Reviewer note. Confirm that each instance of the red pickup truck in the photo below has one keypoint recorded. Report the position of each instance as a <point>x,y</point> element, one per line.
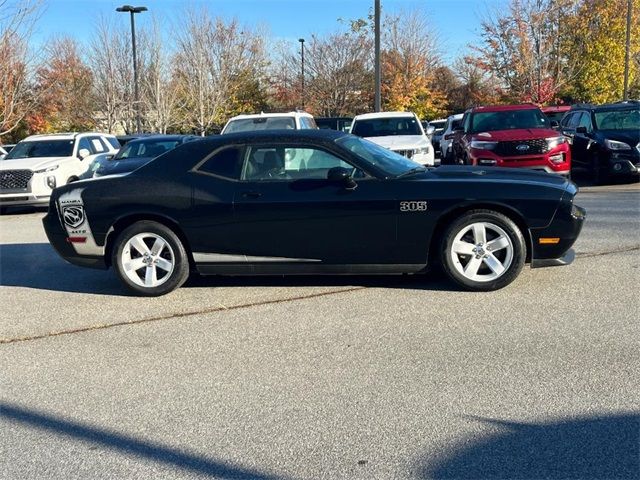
<point>511,136</point>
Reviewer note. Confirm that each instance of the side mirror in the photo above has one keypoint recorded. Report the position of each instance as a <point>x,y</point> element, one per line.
<point>83,153</point>
<point>449,136</point>
<point>554,124</point>
<point>430,130</point>
<point>342,175</point>
<point>110,156</point>
<point>582,130</point>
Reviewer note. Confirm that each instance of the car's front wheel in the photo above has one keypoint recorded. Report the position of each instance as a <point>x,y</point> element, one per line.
<point>483,250</point>
<point>150,259</point>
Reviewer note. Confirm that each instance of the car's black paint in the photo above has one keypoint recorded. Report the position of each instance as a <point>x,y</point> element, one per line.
<point>313,226</point>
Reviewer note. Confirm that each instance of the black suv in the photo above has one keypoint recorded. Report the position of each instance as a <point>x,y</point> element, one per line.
<point>605,139</point>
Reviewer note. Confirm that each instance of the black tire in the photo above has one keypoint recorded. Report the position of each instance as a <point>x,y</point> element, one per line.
<point>496,226</point>
<point>175,255</point>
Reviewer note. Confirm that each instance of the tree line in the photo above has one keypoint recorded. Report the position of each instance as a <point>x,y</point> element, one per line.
<point>197,72</point>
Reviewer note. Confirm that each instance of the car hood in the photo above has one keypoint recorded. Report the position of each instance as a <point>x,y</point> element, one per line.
<point>33,163</point>
<point>496,174</point>
<point>400,142</point>
<point>632,137</point>
<point>110,167</point>
<point>515,134</point>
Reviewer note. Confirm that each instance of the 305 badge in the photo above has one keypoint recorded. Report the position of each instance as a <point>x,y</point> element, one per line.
<point>413,206</point>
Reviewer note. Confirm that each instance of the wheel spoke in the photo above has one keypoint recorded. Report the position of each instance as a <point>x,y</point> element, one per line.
<point>479,233</point>
<point>471,270</point>
<point>137,243</point>
<point>463,248</point>
<point>164,264</point>
<point>134,264</point>
<point>498,244</point>
<point>158,245</point>
<point>150,278</point>
<point>494,264</point>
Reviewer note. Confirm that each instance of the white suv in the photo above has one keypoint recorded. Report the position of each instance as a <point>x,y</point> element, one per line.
<point>40,163</point>
<point>270,121</point>
<point>400,132</point>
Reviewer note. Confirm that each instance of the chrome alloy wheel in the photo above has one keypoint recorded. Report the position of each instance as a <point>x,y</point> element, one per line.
<point>147,260</point>
<point>482,252</point>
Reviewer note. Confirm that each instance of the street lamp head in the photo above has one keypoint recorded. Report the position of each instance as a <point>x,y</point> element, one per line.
<point>301,40</point>
<point>129,8</point>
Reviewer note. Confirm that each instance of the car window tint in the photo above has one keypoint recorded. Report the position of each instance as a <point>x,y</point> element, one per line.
<point>98,146</point>
<point>282,163</point>
<point>113,141</point>
<point>224,163</point>
<point>585,121</point>
<point>86,144</point>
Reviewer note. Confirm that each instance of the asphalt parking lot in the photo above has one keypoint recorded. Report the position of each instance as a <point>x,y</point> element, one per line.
<point>334,377</point>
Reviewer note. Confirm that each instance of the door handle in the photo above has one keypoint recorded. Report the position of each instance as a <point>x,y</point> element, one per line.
<point>251,194</point>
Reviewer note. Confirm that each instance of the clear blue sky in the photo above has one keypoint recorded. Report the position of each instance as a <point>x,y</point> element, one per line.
<point>455,20</point>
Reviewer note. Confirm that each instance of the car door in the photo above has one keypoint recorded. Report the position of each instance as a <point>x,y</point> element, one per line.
<point>288,211</point>
<point>582,140</point>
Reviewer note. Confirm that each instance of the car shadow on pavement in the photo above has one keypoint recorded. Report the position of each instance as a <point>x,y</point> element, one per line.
<point>126,445</point>
<point>586,448</point>
<point>37,265</point>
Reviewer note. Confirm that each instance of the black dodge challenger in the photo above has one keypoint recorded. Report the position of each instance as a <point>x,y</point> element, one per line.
<point>311,202</point>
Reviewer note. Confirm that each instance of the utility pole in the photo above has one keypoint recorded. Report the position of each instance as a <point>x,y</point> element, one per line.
<point>378,77</point>
<point>301,40</point>
<point>625,95</point>
<point>133,11</point>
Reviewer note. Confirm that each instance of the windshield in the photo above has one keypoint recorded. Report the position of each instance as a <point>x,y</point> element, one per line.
<point>389,162</point>
<point>508,120</point>
<point>41,148</point>
<point>384,127</point>
<point>618,119</point>
<point>260,123</point>
<point>145,149</point>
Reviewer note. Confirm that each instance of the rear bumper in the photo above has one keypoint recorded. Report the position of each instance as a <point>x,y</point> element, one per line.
<point>58,238</point>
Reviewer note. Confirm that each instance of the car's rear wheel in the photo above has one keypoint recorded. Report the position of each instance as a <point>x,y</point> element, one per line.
<point>150,259</point>
<point>483,250</point>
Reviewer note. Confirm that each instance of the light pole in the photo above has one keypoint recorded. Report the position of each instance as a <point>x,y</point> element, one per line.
<point>133,11</point>
<point>625,94</point>
<point>378,76</point>
<point>301,40</point>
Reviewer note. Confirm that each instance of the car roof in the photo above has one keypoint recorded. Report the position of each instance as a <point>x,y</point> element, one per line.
<point>438,120</point>
<point>270,135</point>
<point>503,108</point>
<point>64,136</point>
<point>457,116</point>
<point>267,115</point>
<point>370,116</point>
<point>624,105</point>
<point>161,138</point>
<point>556,108</point>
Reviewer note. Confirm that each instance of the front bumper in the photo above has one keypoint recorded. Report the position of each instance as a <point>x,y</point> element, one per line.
<point>551,245</point>
<point>623,163</point>
<point>557,160</point>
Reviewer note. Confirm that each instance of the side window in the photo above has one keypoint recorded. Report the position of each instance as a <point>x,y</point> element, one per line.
<point>466,122</point>
<point>97,145</point>
<point>285,163</point>
<point>223,163</point>
<point>566,119</point>
<point>113,141</point>
<point>308,123</point>
<point>86,144</point>
<point>585,121</point>
<point>574,120</point>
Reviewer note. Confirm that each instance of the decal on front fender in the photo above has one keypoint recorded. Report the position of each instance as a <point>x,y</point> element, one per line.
<point>413,206</point>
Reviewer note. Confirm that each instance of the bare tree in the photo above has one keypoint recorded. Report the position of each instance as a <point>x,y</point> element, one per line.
<point>213,59</point>
<point>160,96</point>
<point>17,97</point>
<point>110,62</point>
